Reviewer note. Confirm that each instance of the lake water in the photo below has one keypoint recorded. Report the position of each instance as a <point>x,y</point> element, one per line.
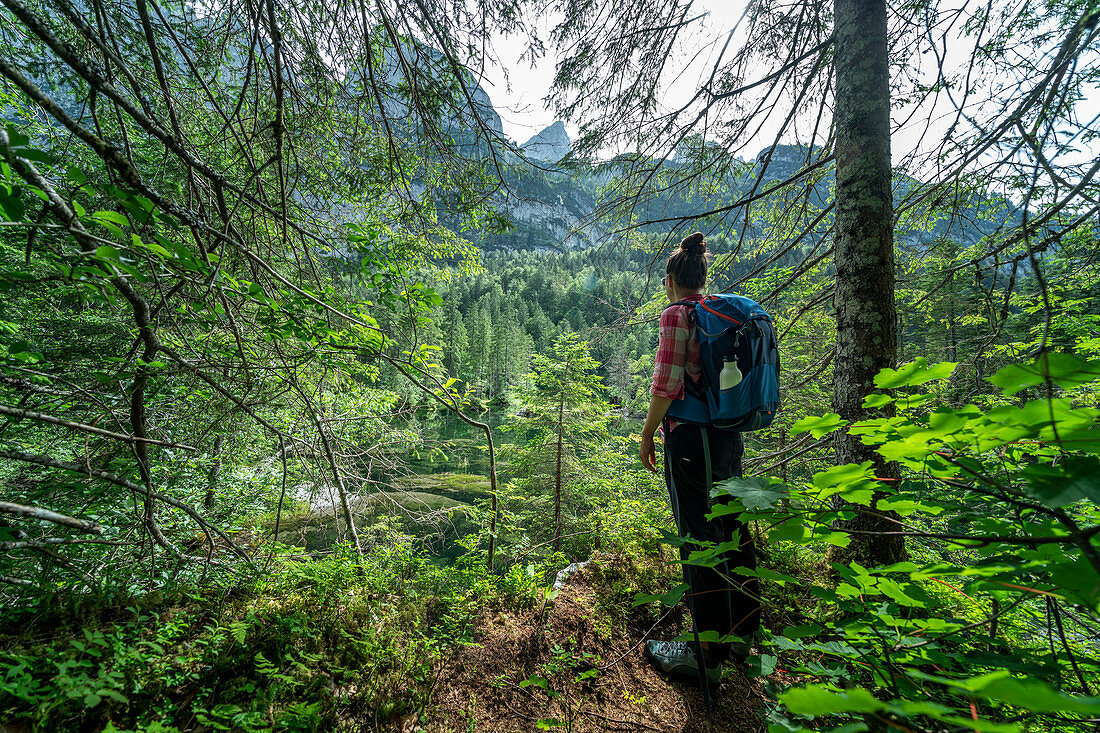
<point>445,473</point>
<point>452,445</point>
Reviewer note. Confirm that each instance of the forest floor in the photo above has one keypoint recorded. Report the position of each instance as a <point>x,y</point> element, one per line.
<point>575,663</point>
<point>385,643</point>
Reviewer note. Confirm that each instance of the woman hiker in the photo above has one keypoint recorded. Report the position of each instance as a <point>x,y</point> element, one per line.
<point>718,599</point>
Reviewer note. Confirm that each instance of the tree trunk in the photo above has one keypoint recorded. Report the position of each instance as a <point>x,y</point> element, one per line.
<point>345,504</point>
<point>212,476</point>
<point>866,317</point>
<point>557,473</point>
<point>952,331</point>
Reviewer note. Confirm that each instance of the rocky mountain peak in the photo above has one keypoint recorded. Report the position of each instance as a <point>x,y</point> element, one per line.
<point>550,145</point>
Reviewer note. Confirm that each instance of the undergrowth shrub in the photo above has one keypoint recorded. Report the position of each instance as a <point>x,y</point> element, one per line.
<point>990,623</point>
<point>335,643</point>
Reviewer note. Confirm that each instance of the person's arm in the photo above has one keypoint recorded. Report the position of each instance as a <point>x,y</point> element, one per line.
<point>668,378</point>
<point>658,406</point>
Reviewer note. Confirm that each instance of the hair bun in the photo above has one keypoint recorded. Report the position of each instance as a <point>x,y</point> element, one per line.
<point>694,244</point>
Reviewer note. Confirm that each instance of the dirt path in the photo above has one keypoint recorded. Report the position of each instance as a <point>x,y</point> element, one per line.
<point>576,664</point>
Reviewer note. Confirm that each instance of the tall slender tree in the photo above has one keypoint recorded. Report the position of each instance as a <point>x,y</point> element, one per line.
<point>863,237</point>
<point>566,409</point>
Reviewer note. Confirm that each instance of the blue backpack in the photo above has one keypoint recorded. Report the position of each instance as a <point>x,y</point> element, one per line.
<point>739,350</point>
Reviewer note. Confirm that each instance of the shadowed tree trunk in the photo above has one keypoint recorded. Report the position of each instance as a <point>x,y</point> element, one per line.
<point>866,317</point>
<point>215,473</point>
<point>557,465</point>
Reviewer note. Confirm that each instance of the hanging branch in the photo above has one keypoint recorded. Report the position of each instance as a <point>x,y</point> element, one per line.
<point>93,472</point>
<point>55,541</point>
<point>34,512</point>
<point>132,439</point>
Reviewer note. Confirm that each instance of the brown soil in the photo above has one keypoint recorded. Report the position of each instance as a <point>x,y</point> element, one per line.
<point>583,628</point>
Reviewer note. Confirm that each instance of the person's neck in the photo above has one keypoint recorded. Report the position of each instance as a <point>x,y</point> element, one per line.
<point>678,294</point>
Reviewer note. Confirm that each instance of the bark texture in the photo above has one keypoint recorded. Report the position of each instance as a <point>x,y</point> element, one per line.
<point>866,316</point>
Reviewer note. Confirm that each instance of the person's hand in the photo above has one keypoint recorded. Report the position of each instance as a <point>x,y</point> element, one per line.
<point>648,453</point>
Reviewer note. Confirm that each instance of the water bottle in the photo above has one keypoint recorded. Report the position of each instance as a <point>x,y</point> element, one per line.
<point>730,376</point>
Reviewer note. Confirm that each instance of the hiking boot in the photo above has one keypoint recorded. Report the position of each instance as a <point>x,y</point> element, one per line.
<point>677,658</point>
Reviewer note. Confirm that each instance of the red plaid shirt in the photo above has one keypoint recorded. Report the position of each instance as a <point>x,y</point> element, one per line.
<point>677,352</point>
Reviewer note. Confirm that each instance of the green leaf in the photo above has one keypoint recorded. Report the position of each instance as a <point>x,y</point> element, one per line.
<point>112,216</point>
<point>21,351</point>
<point>1065,370</point>
<point>35,155</point>
<point>1031,695</point>
<point>239,630</point>
<point>799,632</point>
<point>902,594</point>
<point>913,373</point>
<point>946,421</point>
<point>17,275</point>
<point>761,666</point>
<point>1074,479</point>
<point>905,507</point>
<point>708,636</point>
<point>819,426</point>
<point>1086,440</point>
<point>754,492</point>
<point>151,246</point>
<point>873,401</point>
<point>109,253</point>
<point>848,474</point>
<point>791,530</point>
<point>1042,413</point>
<point>139,207</point>
<point>668,599</point>
<point>814,701</point>
<point>1010,661</point>
<point>837,539</point>
<point>537,681</point>
<point>861,495</point>
<point>855,483</point>
<point>15,138</point>
<point>11,204</point>
<point>114,695</point>
<point>945,714</point>
<point>767,574</point>
<point>1079,579</point>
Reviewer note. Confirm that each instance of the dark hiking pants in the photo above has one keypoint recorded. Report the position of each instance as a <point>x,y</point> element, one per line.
<point>719,600</point>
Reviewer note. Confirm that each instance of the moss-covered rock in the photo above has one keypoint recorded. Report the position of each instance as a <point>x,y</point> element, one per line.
<point>465,487</point>
<point>438,517</point>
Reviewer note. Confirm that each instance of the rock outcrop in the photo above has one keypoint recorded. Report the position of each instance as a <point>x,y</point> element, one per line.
<point>550,145</point>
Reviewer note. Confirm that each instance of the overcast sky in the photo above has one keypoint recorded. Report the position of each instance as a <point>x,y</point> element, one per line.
<point>522,108</point>
<point>520,100</point>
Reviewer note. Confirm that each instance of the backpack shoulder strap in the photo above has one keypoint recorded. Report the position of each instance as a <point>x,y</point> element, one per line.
<point>690,306</point>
